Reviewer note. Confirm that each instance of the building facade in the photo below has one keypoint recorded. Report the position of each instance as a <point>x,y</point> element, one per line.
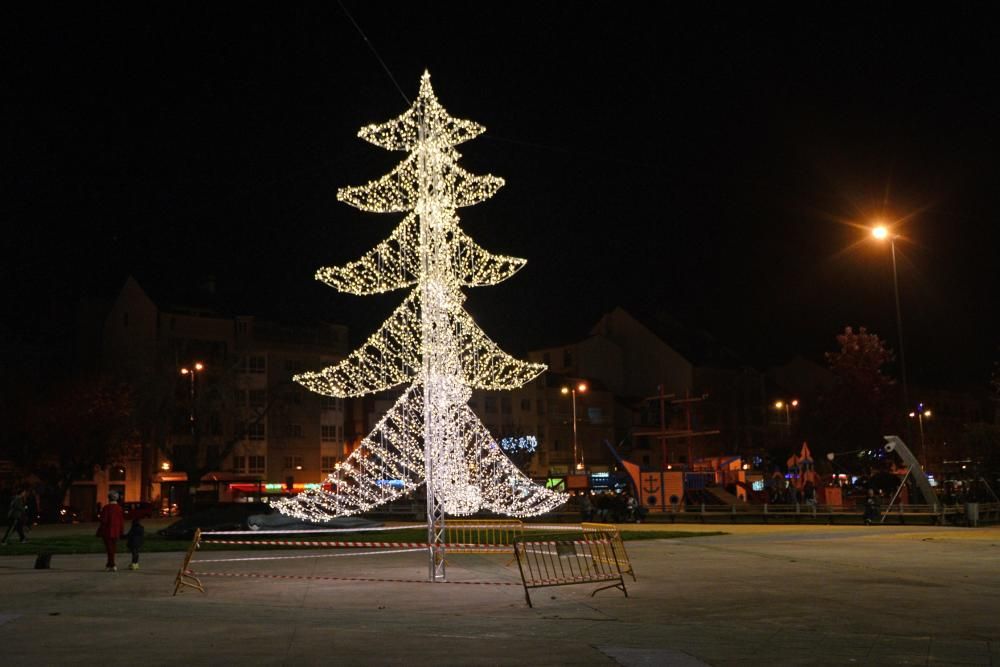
<point>215,390</point>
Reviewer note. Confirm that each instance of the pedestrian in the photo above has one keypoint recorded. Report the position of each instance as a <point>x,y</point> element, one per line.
<point>15,516</point>
<point>631,508</point>
<point>587,507</point>
<point>871,507</point>
<point>110,529</point>
<point>134,538</point>
<point>30,511</point>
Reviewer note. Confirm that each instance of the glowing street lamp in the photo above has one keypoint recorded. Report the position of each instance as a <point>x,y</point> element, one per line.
<point>787,406</point>
<point>920,414</point>
<point>582,388</point>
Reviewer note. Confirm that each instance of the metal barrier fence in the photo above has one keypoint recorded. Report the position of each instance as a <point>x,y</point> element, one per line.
<point>564,559</point>
<point>476,536</point>
<point>595,531</point>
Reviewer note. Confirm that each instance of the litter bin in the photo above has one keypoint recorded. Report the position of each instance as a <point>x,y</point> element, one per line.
<point>972,514</point>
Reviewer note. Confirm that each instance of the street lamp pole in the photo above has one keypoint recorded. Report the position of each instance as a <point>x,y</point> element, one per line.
<point>191,372</point>
<point>192,484</point>
<point>578,461</point>
<point>881,232</point>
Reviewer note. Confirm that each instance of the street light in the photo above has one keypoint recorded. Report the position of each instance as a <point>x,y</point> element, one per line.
<point>787,406</point>
<point>882,233</point>
<point>191,373</point>
<point>582,388</point>
<point>919,414</point>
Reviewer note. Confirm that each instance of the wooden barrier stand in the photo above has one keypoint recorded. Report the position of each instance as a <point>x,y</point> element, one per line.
<point>564,559</point>
<point>184,576</point>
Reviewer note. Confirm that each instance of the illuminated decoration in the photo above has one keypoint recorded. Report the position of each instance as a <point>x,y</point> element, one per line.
<point>526,443</point>
<point>429,436</point>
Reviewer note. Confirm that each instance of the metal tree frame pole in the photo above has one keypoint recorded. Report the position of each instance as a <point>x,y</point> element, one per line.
<point>435,509</point>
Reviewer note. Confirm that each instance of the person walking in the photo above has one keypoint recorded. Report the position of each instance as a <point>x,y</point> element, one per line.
<point>871,508</point>
<point>110,529</point>
<point>134,538</point>
<point>30,511</point>
<point>15,516</point>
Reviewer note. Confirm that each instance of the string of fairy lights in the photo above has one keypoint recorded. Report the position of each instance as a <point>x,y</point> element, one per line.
<point>395,263</point>
<point>429,341</point>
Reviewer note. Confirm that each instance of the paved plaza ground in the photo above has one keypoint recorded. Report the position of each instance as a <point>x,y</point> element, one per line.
<point>761,595</point>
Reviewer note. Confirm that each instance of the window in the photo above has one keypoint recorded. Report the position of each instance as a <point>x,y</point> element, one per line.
<point>525,405</point>
<point>505,405</point>
<point>327,463</point>
<point>328,433</point>
<point>116,473</point>
<point>256,365</point>
<point>256,431</point>
<point>293,365</point>
<point>255,464</point>
<point>295,430</point>
<point>258,398</point>
<point>567,358</point>
<point>540,407</point>
<point>491,404</point>
<point>331,403</point>
<point>241,397</point>
<point>545,359</point>
<point>239,463</point>
<point>293,397</point>
<point>293,462</point>
<point>595,415</point>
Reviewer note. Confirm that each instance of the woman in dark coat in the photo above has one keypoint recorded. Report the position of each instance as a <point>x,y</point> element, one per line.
<point>134,538</point>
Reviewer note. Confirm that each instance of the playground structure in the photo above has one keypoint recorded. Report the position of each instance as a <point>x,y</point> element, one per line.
<point>725,488</point>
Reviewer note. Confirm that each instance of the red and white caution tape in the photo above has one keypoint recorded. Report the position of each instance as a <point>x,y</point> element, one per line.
<point>381,552</point>
<point>305,577</point>
<point>354,545</point>
<point>311,531</point>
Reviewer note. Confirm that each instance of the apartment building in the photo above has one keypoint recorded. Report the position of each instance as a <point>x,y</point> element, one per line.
<point>218,385</point>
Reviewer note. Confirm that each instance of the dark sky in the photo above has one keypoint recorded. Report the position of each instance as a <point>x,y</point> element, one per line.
<point>704,164</point>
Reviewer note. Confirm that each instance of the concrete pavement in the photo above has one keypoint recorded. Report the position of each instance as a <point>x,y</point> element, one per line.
<point>762,595</point>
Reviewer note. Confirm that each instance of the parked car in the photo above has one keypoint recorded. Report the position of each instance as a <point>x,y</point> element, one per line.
<point>138,510</point>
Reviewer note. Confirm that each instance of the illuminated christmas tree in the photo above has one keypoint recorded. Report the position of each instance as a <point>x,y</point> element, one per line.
<point>430,435</point>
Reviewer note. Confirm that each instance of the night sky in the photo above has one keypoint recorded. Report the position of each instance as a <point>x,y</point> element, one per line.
<point>712,165</point>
